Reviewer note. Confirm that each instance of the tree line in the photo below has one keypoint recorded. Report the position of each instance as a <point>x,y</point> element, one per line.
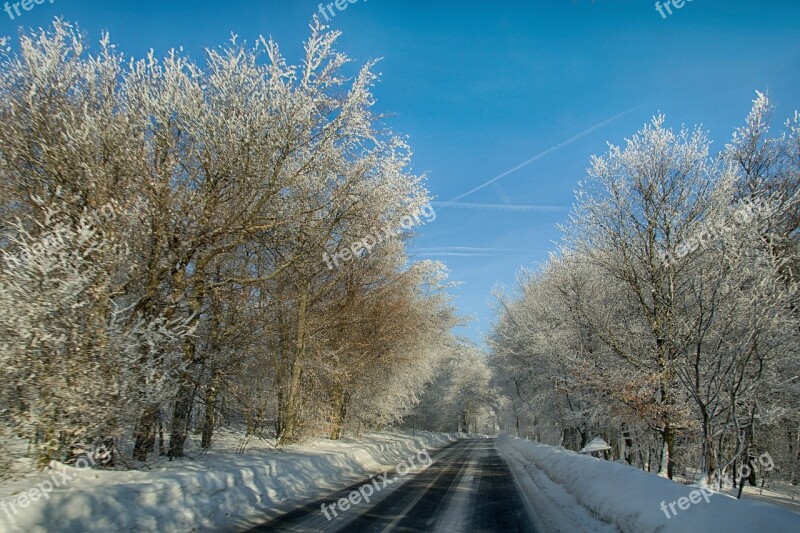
<point>205,299</point>
<point>668,320</point>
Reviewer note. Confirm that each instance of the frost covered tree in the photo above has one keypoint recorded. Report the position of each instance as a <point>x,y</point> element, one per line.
<point>232,180</point>
<point>669,315</point>
<point>76,363</point>
<point>634,201</point>
<point>462,396</point>
<point>389,341</point>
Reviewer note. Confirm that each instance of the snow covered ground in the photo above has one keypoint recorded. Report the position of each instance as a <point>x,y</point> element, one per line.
<point>573,492</point>
<point>217,491</point>
<point>777,493</point>
<point>225,491</point>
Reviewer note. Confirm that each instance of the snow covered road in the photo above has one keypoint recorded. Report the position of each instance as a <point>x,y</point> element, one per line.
<point>467,487</point>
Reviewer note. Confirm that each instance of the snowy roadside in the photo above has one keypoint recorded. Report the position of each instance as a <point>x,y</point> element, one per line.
<point>568,491</point>
<point>550,506</point>
<point>215,492</point>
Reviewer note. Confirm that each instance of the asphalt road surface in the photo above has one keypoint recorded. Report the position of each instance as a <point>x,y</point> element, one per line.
<point>467,488</point>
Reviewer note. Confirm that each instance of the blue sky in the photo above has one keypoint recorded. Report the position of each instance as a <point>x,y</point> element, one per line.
<point>482,87</point>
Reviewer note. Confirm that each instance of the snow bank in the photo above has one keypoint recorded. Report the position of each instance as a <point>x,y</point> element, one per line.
<point>631,499</point>
<point>216,492</point>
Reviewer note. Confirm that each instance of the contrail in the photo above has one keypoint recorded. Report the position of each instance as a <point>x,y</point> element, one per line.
<point>454,254</point>
<point>542,154</point>
<point>469,251</point>
<point>502,207</point>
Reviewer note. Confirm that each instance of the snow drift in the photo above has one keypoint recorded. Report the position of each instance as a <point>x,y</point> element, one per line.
<point>217,492</point>
<point>631,499</point>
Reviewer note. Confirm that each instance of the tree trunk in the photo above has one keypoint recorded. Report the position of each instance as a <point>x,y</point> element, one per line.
<point>145,433</point>
<point>161,450</point>
<point>668,450</point>
<point>628,441</point>
<point>209,421</point>
<point>793,440</point>
<point>182,411</point>
<point>289,430</point>
<point>708,459</point>
<point>339,413</point>
<point>180,420</point>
